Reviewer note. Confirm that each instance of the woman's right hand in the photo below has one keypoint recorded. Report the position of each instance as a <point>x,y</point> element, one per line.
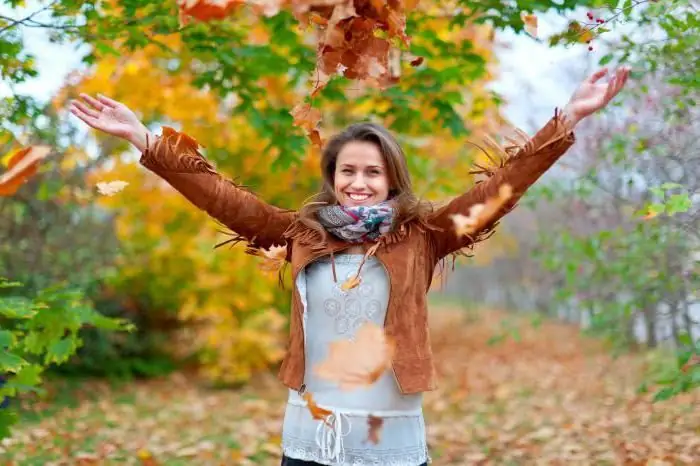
<point>113,118</point>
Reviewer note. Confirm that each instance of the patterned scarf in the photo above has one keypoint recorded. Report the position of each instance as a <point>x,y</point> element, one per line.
<point>357,224</point>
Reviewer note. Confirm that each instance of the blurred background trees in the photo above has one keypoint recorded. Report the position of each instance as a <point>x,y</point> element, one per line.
<point>607,240</point>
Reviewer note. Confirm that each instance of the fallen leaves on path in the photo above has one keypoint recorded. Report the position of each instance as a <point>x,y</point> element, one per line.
<point>551,398</point>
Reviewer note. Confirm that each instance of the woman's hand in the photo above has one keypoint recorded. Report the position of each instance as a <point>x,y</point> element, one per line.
<point>593,94</point>
<point>113,118</point>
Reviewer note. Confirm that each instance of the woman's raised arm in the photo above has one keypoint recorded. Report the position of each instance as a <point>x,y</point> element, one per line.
<point>524,167</point>
<point>175,157</point>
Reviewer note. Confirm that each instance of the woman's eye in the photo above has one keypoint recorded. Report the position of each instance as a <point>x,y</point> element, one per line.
<point>347,172</point>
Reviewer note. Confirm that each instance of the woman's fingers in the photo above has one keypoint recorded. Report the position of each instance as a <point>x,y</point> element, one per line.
<point>597,75</point>
<point>92,101</point>
<point>88,119</point>
<point>611,89</point>
<point>107,101</point>
<point>85,109</point>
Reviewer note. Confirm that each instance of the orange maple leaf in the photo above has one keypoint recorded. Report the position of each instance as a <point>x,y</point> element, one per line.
<point>308,118</point>
<point>273,258</point>
<point>205,10</point>
<point>481,214</point>
<point>359,362</point>
<point>21,166</point>
<point>530,22</point>
<point>318,413</point>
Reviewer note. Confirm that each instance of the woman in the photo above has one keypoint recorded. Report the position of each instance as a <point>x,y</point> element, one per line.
<point>366,222</point>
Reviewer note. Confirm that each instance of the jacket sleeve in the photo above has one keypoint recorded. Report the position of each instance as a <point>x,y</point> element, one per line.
<point>520,167</point>
<point>175,157</point>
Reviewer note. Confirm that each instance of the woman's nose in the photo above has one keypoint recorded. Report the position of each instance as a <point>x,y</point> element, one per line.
<point>358,182</point>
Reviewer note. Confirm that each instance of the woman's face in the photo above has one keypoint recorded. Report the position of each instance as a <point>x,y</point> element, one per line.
<point>360,175</point>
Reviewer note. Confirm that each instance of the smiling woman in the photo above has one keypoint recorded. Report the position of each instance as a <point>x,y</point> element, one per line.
<point>366,205</point>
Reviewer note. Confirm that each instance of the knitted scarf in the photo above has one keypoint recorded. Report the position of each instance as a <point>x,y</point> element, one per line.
<point>357,224</point>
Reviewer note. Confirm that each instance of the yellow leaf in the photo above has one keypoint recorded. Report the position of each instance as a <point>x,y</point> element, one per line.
<point>110,188</point>
<point>350,283</point>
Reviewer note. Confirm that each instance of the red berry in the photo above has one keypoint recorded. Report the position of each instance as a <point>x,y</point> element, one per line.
<point>590,48</point>
<point>590,15</point>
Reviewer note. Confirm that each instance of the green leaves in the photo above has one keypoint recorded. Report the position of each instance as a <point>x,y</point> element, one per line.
<point>10,362</point>
<point>670,204</point>
<point>39,332</point>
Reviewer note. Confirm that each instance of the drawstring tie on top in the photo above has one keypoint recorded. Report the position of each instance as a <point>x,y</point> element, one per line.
<point>329,437</point>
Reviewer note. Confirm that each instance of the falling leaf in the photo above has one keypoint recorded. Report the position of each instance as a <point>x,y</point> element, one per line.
<point>318,19</point>
<point>318,413</point>
<point>376,69</point>
<point>651,213</point>
<point>21,166</point>
<point>180,141</point>
<point>375,426</point>
<point>530,22</point>
<point>315,137</point>
<point>273,258</point>
<point>350,283</point>
<point>305,116</point>
<point>110,188</point>
<point>206,10</point>
<point>416,62</point>
<point>481,214</point>
<point>359,362</point>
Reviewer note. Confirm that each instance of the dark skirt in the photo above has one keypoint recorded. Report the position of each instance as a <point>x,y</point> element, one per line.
<point>286,461</point>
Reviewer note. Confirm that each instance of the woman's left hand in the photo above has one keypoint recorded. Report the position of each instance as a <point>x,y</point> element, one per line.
<point>594,94</point>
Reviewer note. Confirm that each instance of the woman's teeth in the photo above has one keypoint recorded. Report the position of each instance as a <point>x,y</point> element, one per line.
<point>359,197</point>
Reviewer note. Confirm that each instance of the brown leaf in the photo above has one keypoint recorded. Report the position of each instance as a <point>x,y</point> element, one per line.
<point>416,62</point>
<point>481,214</point>
<point>359,362</point>
<point>22,166</point>
<point>183,142</point>
<point>318,413</point>
<point>315,137</point>
<point>206,10</point>
<point>375,425</point>
<point>305,116</point>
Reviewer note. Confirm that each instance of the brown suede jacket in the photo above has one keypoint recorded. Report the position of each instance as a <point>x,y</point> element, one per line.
<point>410,254</point>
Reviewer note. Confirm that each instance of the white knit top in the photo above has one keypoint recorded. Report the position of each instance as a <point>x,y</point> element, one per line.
<point>331,314</point>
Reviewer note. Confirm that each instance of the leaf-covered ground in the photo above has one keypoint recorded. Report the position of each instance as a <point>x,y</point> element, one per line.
<point>543,395</point>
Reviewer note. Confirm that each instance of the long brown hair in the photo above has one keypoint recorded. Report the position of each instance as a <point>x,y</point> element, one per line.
<point>408,206</point>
